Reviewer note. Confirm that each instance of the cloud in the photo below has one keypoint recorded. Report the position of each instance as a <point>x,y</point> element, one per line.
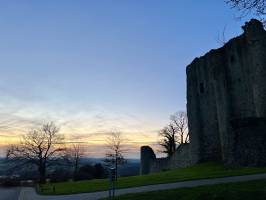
<point>89,126</point>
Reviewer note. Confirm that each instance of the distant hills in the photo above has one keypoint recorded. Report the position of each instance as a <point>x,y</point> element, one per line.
<point>131,168</point>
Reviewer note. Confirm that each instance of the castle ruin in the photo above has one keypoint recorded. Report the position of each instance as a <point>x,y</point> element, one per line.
<point>226,106</point>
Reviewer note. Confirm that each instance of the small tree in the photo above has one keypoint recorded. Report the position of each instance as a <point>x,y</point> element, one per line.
<point>116,150</point>
<point>74,155</point>
<point>169,140</point>
<point>41,148</point>
<point>174,134</point>
<point>180,123</point>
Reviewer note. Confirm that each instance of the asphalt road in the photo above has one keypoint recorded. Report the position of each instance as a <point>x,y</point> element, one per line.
<point>9,193</point>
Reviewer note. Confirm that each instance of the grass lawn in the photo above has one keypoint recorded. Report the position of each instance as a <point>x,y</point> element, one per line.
<point>200,171</point>
<point>253,190</point>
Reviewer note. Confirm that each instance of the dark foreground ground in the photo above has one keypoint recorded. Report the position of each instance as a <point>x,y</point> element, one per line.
<point>252,190</point>
<point>236,188</point>
<point>9,193</point>
<point>199,171</point>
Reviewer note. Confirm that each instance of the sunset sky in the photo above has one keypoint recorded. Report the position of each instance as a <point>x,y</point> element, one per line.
<point>101,65</point>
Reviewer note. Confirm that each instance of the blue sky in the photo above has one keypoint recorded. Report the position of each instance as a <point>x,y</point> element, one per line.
<point>100,65</point>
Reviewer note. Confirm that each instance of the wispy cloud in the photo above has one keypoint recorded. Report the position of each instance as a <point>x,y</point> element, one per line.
<point>84,127</point>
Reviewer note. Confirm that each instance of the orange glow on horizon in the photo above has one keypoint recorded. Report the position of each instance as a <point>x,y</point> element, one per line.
<point>95,144</point>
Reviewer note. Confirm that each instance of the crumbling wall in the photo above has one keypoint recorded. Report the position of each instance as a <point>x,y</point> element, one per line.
<point>226,86</point>
<point>226,106</point>
<point>147,157</point>
<point>201,108</point>
<point>181,158</point>
<point>160,164</point>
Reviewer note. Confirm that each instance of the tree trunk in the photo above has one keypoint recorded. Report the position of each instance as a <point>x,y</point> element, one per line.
<point>116,166</point>
<point>76,169</point>
<point>42,173</point>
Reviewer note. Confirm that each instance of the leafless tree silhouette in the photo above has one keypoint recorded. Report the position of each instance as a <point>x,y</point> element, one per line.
<point>169,140</point>
<point>40,147</point>
<point>246,7</point>
<point>174,134</point>
<point>116,150</point>
<point>74,155</point>
<point>180,122</point>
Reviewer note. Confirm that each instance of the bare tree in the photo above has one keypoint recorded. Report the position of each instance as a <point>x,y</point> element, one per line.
<point>116,151</point>
<point>41,148</point>
<point>246,7</point>
<point>180,122</point>
<point>174,134</point>
<point>74,155</point>
<point>169,140</point>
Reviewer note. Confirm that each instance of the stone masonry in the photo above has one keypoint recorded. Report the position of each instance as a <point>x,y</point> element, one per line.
<point>226,102</point>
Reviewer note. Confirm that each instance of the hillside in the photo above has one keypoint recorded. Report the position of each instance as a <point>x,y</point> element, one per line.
<point>200,171</point>
<point>251,190</point>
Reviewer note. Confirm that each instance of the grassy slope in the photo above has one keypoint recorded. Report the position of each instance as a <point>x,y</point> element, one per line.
<point>253,190</point>
<point>206,170</point>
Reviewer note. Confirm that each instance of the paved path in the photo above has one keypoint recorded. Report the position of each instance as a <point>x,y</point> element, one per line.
<point>9,193</point>
<point>29,193</point>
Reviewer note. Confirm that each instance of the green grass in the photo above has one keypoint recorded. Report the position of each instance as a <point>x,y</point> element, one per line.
<point>200,171</point>
<point>252,190</point>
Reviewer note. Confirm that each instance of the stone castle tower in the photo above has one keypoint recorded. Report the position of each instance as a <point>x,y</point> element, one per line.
<point>226,100</point>
<point>226,105</point>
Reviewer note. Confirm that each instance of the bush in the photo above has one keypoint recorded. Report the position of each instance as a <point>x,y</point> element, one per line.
<point>88,172</point>
<point>60,175</point>
<point>10,181</point>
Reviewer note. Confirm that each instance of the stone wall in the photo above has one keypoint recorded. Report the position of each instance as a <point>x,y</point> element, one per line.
<point>249,143</point>
<point>226,93</point>
<point>226,105</point>
<point>181,158</point>
<point>147,156</point>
